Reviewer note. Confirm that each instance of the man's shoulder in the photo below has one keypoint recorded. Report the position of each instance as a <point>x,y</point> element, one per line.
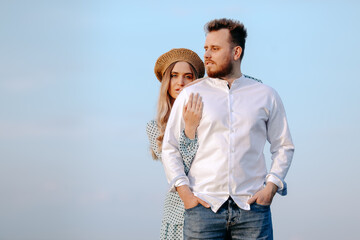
<point>197,83</point>
<point>267,91</point>
<point>260,85</point>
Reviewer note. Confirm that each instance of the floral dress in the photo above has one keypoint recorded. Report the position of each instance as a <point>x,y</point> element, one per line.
<point>173,215</point>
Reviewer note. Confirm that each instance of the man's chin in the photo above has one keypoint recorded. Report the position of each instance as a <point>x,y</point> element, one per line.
<point>213,74</point>
<point>218,74</point>
<point>210,73</point>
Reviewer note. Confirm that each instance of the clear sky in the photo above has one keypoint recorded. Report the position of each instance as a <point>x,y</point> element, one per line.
<point>77,88</point>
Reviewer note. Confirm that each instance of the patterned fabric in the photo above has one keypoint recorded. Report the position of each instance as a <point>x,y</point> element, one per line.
<point>173,215</point>
<point>258,80</point>
<point>171,231</point>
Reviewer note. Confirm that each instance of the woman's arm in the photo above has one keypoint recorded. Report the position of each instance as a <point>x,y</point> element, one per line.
<point>153,133</point>
<point>188,142</point>
<point>192,113</point>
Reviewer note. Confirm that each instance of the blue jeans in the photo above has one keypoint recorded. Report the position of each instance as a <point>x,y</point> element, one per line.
<point>229,222</point>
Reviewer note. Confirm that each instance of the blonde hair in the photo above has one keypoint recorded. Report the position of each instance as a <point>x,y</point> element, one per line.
<point>165,103</point>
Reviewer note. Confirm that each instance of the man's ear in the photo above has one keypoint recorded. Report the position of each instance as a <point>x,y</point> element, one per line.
<point>237,52</point>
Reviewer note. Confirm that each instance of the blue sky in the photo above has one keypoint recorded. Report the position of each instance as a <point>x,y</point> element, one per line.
<point>77,88</point>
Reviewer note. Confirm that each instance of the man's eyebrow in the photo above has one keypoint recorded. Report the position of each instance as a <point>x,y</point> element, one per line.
<point>214,45</point>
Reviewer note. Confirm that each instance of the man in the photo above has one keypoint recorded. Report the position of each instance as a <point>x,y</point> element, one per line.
<point>228,191</point>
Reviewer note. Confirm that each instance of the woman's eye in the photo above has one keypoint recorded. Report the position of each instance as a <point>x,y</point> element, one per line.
<point>173,75</point>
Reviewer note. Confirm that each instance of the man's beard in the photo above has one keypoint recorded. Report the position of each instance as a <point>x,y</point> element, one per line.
<point>222,72</point>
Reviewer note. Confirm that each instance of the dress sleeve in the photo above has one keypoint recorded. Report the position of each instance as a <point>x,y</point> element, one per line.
<point>188,148</point>
<point>153,133</point>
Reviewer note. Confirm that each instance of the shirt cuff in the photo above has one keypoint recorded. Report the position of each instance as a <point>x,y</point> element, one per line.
<point>177,182</point>
<point>187,140</point>
<point>282,187</point>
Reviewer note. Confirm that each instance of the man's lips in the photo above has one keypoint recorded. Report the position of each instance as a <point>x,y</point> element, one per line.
<point>209,62</point>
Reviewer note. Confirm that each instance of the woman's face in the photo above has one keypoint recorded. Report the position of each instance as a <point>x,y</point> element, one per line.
<point>180,76</point>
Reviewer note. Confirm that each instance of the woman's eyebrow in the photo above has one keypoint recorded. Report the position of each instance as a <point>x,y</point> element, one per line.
<point>184,73</point>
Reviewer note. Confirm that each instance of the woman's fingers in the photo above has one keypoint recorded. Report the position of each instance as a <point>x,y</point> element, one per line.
<point>194,104</point>
<point>199,104</point>
<point>195,100</point>
<point>200,109</point>
<point>190,101</point>
<point>184,109</point>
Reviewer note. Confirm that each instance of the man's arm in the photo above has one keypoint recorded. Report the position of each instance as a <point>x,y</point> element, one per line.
<point>171,158</point>
<point>282,150</point>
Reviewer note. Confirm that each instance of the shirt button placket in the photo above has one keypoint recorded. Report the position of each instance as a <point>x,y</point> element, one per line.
<point>231,138</point>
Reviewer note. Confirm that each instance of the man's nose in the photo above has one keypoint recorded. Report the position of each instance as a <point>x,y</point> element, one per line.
<point>207,54</point>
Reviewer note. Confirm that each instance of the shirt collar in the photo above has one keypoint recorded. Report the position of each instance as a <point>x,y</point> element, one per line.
<point>223,83</point>
<point>238,82</point>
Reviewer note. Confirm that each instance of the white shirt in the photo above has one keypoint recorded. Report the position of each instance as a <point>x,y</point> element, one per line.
<point>235,125</point>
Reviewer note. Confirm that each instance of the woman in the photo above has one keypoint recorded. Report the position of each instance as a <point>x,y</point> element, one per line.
<point>175,69</point>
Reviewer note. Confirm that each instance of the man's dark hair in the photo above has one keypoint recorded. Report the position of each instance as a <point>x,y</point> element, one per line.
<point>237,31</point>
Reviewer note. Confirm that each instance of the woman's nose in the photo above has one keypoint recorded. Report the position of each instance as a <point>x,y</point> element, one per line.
<point>181,81</point>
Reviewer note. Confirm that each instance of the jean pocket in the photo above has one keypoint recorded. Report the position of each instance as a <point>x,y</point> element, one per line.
<point>261,204</point>
<point>259,207</point>
<point>189,209</point>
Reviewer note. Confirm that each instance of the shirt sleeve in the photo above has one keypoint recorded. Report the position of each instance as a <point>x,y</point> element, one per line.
<point>153,133</point>
<point>281,145</point>
<point>188,148</point>
<point>171,157</point>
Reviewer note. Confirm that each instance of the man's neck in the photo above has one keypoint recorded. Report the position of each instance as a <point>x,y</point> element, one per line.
<point>231,77</point>
<point>235,73</point>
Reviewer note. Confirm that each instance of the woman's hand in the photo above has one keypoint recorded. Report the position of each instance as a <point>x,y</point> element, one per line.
<point>192,114</point>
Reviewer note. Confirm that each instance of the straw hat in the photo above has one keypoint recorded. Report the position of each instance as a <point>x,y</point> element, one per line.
<point>178,55</point>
